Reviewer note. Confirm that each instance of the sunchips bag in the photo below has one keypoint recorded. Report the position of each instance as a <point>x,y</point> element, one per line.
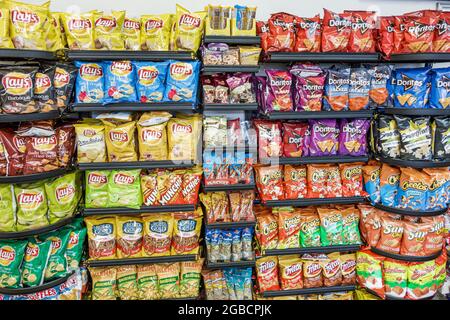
<point>131,33</point>
<point>57,263</point>
<point>107,31</point>
<point>90,141</point>
<point>32,208</point>
<point>120,141</point>
<point>155,32</point>
<point>152,135</point>
<point>75,246</point>
<point>96,185</point>
<point>11,256</point>
<point>90,87</point>
<point>411,87</point>
<point>35,261</point>
<point>7,208</point>
<point>5,40</point>
<point>440,88</point>
<point>151,79</point>
<point>182,81</point>
<point>182,135</point>
<point>124,189</point>
<point>119,81</point>
<point>79,29</point>
<point>27,23</point>
<point>189,29</point>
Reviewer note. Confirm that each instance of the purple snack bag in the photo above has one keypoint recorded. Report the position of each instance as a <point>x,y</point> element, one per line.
<point>308,88</point>
<point>353,137</point>
<point>307,142</point>
<point>324,137</point>
<point>279,84</point>
<point>261,94</point>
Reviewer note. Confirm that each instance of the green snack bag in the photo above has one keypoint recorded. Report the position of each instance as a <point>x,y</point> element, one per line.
<point>74,249</point>
<point>330,227</point>
<point>7,216</point>
<point>310,230</point>
<point>124,189</point>
<point>11,256</point>
<point>35,262</point>
<point>62,197</point>
<point>96,189</point>
<point>350,226</point>
<point>57,263</point>
<point>32,206</point>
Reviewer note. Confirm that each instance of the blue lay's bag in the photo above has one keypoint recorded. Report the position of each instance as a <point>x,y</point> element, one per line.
<point>413,189</point>
<point>371,175</point>
<point>440,88</point>
<point>437,192</point>
<point>337,86</point>
<point>150,80</point>
<point>411,87</point>
<point>90,87</point>
<point>182,81</point>
<point>119,82</point>
<point>389,180</point>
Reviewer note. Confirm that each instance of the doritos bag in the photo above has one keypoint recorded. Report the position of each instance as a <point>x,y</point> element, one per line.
<point>362,35</point>
<point>336,89</point>
<point>440,88</point>
<point>411,89</point>
<point>309,81</point>
<point>324,137</point>
<point>358,93</point>
<point>441,42</point>
<point>399,28</point>
<point>379,77</point>
<point>353,137</point>
<point>262,30</point>
<point>385,43</point>
<point>418,34</point>
<point>336,32</point>
<point>308,34</point>
<point>279,83</point>
<point>293,136</point>
<point>282,32</point>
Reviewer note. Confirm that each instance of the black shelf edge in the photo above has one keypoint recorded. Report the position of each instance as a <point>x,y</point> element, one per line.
<point>246,148</point>
<point>30,290</point>
<point>405,258</point>
<point>230,107</point>
<point>132,106</point>
<point>327,249</point>
<point>415,163</point>
<point>323,57</point>
<point>142,210</point>
<point>7,118</point>
<point>320,290</point>
<point>230,225</point>
<point>298,115</point>
<point>420,57</point>
<point>96,55</point>
<point>229,68</point>
<point>417,111</point>
<point>34,177</point>
<point>228,187</point>
<point>314,202</point>
<point>230,264</point>
<point>27,54</point>
<point>247,40</point>
<point>135,165</point>
<point>37,231</point>
<point>145,260</point>
<point>310,160</point>
<point>406,212</point>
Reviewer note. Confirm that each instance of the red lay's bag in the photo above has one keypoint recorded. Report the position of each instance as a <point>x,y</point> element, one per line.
<point>385,41</point>
<point>362,35</point>
<point>282,32</point>
<point>308,34</point>
<point>418,34</point>
<point>336,31</point>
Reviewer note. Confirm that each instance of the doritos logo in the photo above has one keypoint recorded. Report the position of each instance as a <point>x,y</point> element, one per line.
<point>283,24</point>
<point>442,27</point>
<point>361,25</point>
<point>408,83</point>
<point>419,29</point>
<point>309,24</point>
<point>338,82</point>
<point>444,83</point>
<point>339,24</point>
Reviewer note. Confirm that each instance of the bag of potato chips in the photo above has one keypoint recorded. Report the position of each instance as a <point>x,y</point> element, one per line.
<point>90,140</point>
<point>120,141</point>
<point>124,189</point>
<point>189,29</point>
<point>5,40</point>
<point>32,206</point>
<point>75,247</point>
<point>107,31</point>
<point>155,32</point>
<point>127,282</point>
<point>57,263</point>
<point>183,135</point>
<point>90,82</point>
<point>7,208</point>
<point>131,33</point>
<point>11,256</point>
<point>35,261</point>
<point>52,31</point>
<point>79,29</point>
<point>103,283</point>
<point>182,81</point>
<point>96,185</point>
<point>152,135</point>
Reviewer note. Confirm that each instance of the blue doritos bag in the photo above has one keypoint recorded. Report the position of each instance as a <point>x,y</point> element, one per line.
<point>440,88</point>
<point>119,82</point>
<point>411,87</point>
<point>90,87</point>
<point>182,81</point>
<point>150,80</point>
<point>379,79</point>
<point>389,180</point>
<point>358,92</point>
<point>337,86</point>
<point>413,189</point>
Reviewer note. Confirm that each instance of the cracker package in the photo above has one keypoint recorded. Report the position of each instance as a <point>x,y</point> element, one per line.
<point>152,135</point>
<point>120,141</point>
<point>107,30</point>
<point>90,140</point>
<point>79,29</point>
<point>35,262</point>
<point>124,189</point>
<point>188,29</point>
<point>11,256</point>
<point>57,262</point>
<point>155,32</point>
<point>32,207</point>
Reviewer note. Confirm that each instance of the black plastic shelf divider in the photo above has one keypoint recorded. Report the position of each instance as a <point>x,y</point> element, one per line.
<point>135,165</point>
<point>233,147</point>
<point>142,210</point>
<point>132,106</point>
<point>327,249</point>
<point>299,115</point>
<point>415,163</point>
<point>34,177</point>
<point>229,68</point>
<point>230,107</point>
<point>309,160</point>
<point>8,118</point>
<point>403,257</point>
<point>230,225</point>
<point>417,112</point>
<point>145,260</point>
<point>230,264</point>
<point>96,55</point>
<point>314,202</point>
<point>245,40</point>
<point>420,57</point>
<point>323,57</point>
<point>27,54</point>
<point>228,187</point>
<point>37,231</point>
<point>407,212</point>
<point>320,290</point>
<point>30,290</point>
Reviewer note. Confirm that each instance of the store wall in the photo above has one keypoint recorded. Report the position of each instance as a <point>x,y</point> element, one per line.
<point>265,7</point>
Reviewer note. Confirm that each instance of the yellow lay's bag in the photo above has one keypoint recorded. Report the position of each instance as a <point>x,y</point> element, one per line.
<point>53,33</point>
<point>155,32</point>
<point>79,29</point>
<point>107,31</point>
<point>120,141</point>
<point>189,29</point>
<point>131,33</point>
<point>152,135</point>
<point>5,40</point>
<point>27,24</point>
<point>58,19</point>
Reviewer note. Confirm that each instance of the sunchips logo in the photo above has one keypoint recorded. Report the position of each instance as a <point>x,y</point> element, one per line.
<point>16,83</point>
<point>31,252</point>
<point>190,21</point>
<point>181,71</point>
<point>91,72</point>
<point>178,128</point>
<point>106,22</point>
<point>151,135</point>
<point>61,78</point>
<point>64,192</point>
<point>18,16</point>
<point>394,230</point>
<point>95,178</point>
<point>79,24</point>
<point>121,178</point>
<point>414,185</point>
<point>42,83</point>
<point>131,24</point>
<point>147,75</point>
<point>118,136</point>
<point>152,24</point>
<point>159,227</point>
<point>7,255</point>
<point>419,29</point>
<point>121,68</point>
<point>408,83</point>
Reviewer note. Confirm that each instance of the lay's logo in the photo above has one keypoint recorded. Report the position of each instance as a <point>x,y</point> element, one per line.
<point>61,78</point>
<point>30,198</point>
<point>44,143</point>
<point>151,135</point>
<point>180,71</point>
<point>16,83</point>
<point>64,192</point>
<point>79,24</point>
<point>189,20</point>
<point>106,22</point>
<point>42,83</point>
<point>118,136</point>
<point>147,75</point>
<point>95,178</point>
<point>131,24</point>
<point>31,252</point>
<point>91,71</point>
<point>178,128</point>
<point>121,178</point>
<point>18,16</point>
<point>7,255</point>
<point>121,68</point>
<point>152,24</point>
<point>89,133</point>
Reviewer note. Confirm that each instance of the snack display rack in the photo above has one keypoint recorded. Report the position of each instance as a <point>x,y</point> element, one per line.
<point>404,257</point>
<point>166,164</point>
<point>307,291</point>
<point>323,249</point>
<point>27,54</point>
<point>141,261</point>
<point>405,212</point>
<point>278,115</point>
<point>34,177</point>
<point>8,118</point>
<point>167,106</point>
<point>142,210</point>
<point>99,55</point>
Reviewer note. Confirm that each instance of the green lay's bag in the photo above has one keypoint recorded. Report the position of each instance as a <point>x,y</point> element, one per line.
<point>11,256</point>
<point>63,196</point>
<point>7,210</point>
<point>32,206</point>
<point>124,189</point>
<point>74,249</point>
<point>96,189</point>
<point>35,262</point>
<point>57,263</point>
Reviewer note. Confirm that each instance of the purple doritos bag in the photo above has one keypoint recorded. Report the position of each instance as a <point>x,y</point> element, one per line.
<point>261,94</point>
<point>279,84</point>
<point>307,142</point>
<point>353,137</point>
<point>324,137</point>
<point>308,87</point>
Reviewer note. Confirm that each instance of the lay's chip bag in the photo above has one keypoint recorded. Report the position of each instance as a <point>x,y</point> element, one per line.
<point>7,209</point>
<point>5,40</point>
<point>57,262</point>
<point>440,88</point>
<point>151,79</point>
<point>90,86</point>
<point>337,86</point>
<point>52,29</point>
<point>120,140</point>
<point>32,207</point>
<point>79,30</point>
<point>119,81</point>
<point>152,135</point>
<point>411,87</point>
<point>413,188</point>
<point>182,81</point>
<point>124,189</point>
<point>155,32</point>
<point>107,31</point>
<point>189,29</point>
<point>11,256</point>
<point>35,262</point>
<point>75,247</point>
<point>131,33</point>
<point>96,185</point>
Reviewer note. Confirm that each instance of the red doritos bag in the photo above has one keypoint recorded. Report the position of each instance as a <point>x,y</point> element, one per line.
<point>336,31</point>
<point>308,32</point>
<point>282,32</point>
<point>362,34</point>
<point>399,28</point>
<point>441,42</point>
<point>418,34</point>
<point>262,30</point>
<point>293,138</point>
<point>385,41</point>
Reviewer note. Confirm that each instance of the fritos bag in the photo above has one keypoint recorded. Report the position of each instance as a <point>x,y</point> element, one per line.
<point>267,274</point>
<point>188,29</point>
<point>336,31</point>
<point>107,30</point>
<point>348,268</point>
<point>120,141</point>
<point>152,135</point>
<point>155,32</point>
<point>331,270</point>
<point>308,34</point>
<point>79,29</point>
<point>291,272</point>
<point>312,272</point>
